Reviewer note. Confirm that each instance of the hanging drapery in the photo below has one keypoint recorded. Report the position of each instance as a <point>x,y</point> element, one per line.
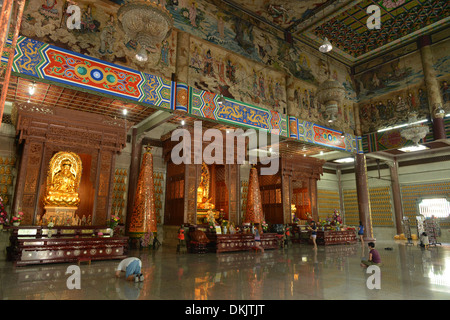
<point>254,212</point>
<point>143,219</point>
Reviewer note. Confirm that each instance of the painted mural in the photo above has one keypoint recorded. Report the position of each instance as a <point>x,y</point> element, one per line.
<point>99,36</point>
<point>389,90</point>
<point>442,67</point>
<point>388,77</point>
<point>393,109</point>
<point>216,70</point>
<point>283,13</point>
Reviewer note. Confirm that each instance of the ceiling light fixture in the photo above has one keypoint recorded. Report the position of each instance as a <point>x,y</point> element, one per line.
<point>345,160</point>
<point>124,111</point>
<point>32,89</point>
<point>325,46</point>
<point>221,100</point>
<point>146,23</point>
<point>142,55</point>
<point>182,122</point>
<point>413,148</point>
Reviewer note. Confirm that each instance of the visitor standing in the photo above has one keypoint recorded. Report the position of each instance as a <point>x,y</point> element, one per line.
<point>313,228</point>
<point>361,232</point>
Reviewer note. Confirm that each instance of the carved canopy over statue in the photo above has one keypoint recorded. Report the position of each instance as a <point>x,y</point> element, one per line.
<point>63,180</point>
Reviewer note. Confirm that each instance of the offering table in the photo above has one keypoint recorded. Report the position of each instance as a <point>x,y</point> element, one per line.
<point>335,237</point>
<point>244,241</point>
<point>32,245</point>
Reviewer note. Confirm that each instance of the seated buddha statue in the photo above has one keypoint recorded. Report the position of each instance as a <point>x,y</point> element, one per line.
<point>62,186</point>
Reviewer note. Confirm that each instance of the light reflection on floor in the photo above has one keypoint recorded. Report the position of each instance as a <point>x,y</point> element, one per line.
<point>296,273</point>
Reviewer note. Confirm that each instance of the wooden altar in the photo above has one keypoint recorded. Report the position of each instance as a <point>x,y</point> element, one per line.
<point>32,245</point>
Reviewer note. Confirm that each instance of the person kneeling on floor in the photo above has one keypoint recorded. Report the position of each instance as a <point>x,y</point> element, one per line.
<point>132,268</point>
<point>374,257</point>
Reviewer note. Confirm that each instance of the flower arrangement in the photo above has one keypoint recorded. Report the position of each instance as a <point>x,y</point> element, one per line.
<point>114,221</point>
<point>17,218</point>
<point>265,226</point>
<point>50,225</point>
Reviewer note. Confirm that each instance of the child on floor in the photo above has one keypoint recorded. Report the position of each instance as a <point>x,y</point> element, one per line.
<point>374,257</point>
<point>424,240</point>
<point>132,268</point>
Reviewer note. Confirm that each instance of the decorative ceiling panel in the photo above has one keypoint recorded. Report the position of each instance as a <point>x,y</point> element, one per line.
<point>55,96</point>
<point>348,30</point>
<point>284,13</point>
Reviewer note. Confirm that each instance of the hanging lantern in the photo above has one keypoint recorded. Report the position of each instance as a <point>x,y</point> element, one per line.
<point>415,130</point>
<point>146,23</point>
<point>331,93</point>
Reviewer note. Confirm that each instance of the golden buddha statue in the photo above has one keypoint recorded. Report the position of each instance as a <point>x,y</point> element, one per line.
<point>63,180</point>
<point>203,198</point>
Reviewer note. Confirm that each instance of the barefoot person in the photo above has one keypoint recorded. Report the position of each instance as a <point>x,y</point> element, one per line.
<point>132,268</point>
<point>374,257</point>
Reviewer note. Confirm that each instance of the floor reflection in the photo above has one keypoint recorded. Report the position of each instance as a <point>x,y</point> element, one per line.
<point>298,272</point>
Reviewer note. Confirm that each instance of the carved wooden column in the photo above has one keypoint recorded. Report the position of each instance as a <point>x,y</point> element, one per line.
<point>432,85</point>
<point>396,195</point>
<point>136,147</point>
<point>192,179</point>
<point>286,191</point>
<point>313,195</point>
<point>362,191</point>
<point>232,180</point>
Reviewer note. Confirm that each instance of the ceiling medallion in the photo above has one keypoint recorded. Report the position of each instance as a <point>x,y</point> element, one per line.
<point>146,23</point>
<point>414,131</point>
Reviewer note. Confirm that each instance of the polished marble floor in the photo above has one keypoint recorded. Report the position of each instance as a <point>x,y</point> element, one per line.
<point>296,273</point>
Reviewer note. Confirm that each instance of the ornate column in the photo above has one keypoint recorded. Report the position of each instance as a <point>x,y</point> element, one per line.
<point>313,196</point>
<point>254,212</point>
<point>362,186</point>
<point>362,191</point>
<point>143,218</point>
<point>432,85</point>
<point>396,195</point>
<point>191,182</point>
<point>232,174</point>
<point>134,172</point>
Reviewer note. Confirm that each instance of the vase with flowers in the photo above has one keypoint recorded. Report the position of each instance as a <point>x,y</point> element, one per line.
<point>17,219</point>
<point>265,226</point>
<point>113,223</point>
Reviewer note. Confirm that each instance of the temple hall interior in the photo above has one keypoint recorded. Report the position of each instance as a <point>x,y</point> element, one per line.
<point>239,149</point>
